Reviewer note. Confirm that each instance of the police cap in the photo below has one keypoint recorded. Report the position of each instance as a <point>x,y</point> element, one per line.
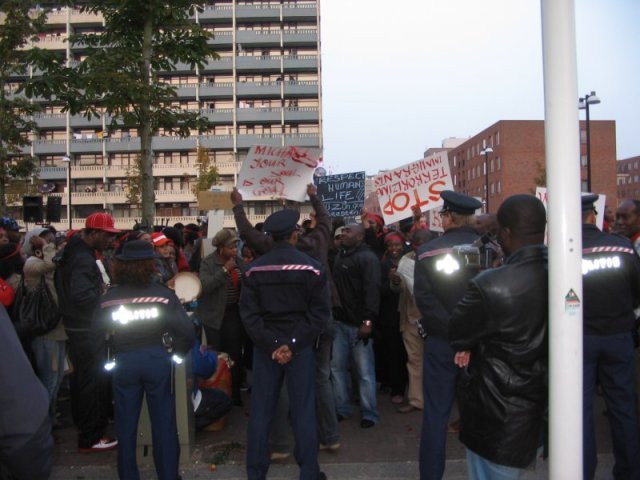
<point>281,223</point>
<point>459,203</point>
<point>588,201</point>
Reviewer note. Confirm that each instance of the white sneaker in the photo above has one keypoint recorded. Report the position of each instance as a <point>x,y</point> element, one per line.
<point>103,445</point>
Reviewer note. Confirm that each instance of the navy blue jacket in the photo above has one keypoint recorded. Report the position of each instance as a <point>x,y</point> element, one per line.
<point>284,299</point>
<point>437,292</point>
<point>610,282</point>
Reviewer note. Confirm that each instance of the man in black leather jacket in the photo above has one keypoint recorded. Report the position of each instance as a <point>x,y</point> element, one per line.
<point>499,330</point>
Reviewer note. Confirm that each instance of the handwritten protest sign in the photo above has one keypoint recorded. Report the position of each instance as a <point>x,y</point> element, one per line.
<point>342,195</point>
<point>278,172</point>
<point>541,193</point>
<point>418,183</point>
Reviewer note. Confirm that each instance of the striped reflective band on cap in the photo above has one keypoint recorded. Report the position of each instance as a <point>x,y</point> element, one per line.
<point>281,268</point>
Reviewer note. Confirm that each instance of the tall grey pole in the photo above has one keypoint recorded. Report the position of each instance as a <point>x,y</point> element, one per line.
<point>562,149</point>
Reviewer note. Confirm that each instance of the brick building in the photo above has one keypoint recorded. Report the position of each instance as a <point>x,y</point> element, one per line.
<point>629,178</point>
<point>516,163</point>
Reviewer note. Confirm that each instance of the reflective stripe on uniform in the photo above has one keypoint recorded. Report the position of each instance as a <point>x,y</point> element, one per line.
<point>433,253</point>
<point>280,268</point>
<point>608,249</point>
<point>122,301</point>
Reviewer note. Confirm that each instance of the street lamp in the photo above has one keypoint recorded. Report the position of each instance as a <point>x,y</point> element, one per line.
<point>486,152</point>
<point>66,159</point>
<point>583,104</point>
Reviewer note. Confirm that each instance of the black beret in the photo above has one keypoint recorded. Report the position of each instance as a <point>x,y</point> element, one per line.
<point>588,201</point>
<point>459,203</point>
<point>282,222</point>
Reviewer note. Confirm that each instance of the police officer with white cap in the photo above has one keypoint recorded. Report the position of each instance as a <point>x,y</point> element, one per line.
<point>611,290</point>
<point>441,279</point>
<point>284,306</point>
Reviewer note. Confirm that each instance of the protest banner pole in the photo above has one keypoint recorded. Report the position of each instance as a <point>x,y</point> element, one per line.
<point>565,238</point>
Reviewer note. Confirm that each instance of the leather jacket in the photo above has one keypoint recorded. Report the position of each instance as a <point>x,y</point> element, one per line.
<point>502,319</point>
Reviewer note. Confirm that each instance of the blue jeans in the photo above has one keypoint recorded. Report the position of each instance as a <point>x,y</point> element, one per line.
<point>139,372</point>
<point>346,346</point>
<point>611,359</point>
<point>482,469</point>
<point>325,402</point>
<point>49,356</point>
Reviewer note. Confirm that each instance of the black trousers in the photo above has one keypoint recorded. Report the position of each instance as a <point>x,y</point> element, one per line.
<point>89,387</point>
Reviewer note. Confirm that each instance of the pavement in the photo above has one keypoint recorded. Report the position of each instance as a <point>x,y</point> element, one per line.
<point>388,450</point>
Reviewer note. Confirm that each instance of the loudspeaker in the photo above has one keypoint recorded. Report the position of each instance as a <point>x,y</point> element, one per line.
<point>54,206</point>
<point>32,209</point>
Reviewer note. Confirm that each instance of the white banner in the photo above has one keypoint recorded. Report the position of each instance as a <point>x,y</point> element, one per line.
<point>541,193</point>
<point>278,172</point>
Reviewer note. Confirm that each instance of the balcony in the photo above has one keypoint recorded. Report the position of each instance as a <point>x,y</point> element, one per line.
<point>50,120</point>
<point>247,141</point>
<point>48,147</point>
<point>90,171</point>
<point>173,143</point>
<point>218,116</point>
<point>187,90</point>
<point>257,13</point>
<point>52,173</point>
<point>212,12</point>
<point>174,196</point>
<point>268,115</point>
<point>80,121</point>
<point>259,64</point>
<point>221,38</point>
<point>223,64</point>
<point>301,89</point>
<point>224,90</point>
<point>253,38</point>
<point>302,140</point>
<point>228,168</point>
<point>86,145</point>
<point>217,142</point>
<point>306,63</point>
<point>300,37</point>
<point>125,144</point>
<point>175,170</point>
<point>302,114</point>
<point>258,89</point>
<point>300,12</point>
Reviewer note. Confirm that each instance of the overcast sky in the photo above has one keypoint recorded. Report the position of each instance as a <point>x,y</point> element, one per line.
<point>399,77</point>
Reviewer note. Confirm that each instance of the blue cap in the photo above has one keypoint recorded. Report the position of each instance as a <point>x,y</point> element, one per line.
<point>282,222</point>
<point>459,203</point>
<point>588,201</point>
<point>9,223</point>
<point>136,250</point>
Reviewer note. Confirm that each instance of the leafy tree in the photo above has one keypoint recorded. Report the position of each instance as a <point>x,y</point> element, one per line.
<point>207,173</point>
<point>120,73</point>
<point>20,26</point>
<point>134,182</point>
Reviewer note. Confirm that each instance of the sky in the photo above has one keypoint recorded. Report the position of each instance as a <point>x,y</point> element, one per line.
<point>399,77</point>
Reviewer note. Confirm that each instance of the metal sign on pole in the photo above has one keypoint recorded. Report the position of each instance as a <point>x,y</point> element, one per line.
<point>565,238</point>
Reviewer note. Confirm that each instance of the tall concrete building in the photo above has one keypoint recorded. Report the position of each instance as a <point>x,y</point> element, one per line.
<point>513,154</point>
<point>264,89</point>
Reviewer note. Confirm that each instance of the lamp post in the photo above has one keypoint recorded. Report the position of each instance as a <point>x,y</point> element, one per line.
<point>584,102</point>
<point>486,152</point>
<point>66,159</point>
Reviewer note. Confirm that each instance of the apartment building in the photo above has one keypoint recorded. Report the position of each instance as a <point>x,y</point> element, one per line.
<point>515,160</point>
<point>265,88</point>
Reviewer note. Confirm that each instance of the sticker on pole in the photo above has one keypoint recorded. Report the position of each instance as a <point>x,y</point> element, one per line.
<point>571,303</point>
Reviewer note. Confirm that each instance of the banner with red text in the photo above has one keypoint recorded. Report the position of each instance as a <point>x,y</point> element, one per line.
<point>278,172</point>
<point>417,183</point>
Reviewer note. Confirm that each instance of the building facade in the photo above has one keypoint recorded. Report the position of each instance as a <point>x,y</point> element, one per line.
<point>264,89</point>
<point>513,154</point>
<point>629,179</point>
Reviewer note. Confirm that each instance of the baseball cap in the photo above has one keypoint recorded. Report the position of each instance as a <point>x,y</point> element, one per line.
<point>101,221</point>
<point>225,238</point>
<point>159,239</point>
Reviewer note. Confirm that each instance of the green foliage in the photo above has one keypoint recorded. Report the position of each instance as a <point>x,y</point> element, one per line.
<point>134,182</point>
<point>207,173</point>
<point>120,73</point>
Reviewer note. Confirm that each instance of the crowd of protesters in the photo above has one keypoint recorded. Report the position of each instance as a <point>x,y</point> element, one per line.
<point>394,314</point>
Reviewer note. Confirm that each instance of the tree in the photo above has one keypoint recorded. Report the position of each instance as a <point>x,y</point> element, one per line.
<point>134,183</point>
<point>20,27</point>
<point>207,173</point>
<point>119,75</point>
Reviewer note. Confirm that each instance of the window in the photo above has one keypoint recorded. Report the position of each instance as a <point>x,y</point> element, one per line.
<point>583,160</point>
<point>583,136</point>
<point>498,163</point>
<point>491,168</point>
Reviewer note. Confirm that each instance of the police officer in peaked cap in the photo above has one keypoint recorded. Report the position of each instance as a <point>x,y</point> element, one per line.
<point>148,331</point>
<point>611,291</point>
<point>439,283</point>
<point>284,306</point>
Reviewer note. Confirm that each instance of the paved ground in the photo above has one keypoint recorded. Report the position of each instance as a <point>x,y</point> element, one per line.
<point>387,451</point>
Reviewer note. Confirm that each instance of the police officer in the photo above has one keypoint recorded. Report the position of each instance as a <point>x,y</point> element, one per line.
<point>284,306</point>
<point>440,280</point>
<point>147,330</point>
<point>611,290</point>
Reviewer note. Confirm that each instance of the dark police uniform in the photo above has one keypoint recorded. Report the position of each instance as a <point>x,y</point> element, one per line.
<point>611,290</point>
<point>137,317</point>
<point>440,281</point>
<point>284,301</point>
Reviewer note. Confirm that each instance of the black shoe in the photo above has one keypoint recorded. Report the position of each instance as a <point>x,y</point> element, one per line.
<point>339,417</point>
<point>366,423</point>
<point>322,476</point>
